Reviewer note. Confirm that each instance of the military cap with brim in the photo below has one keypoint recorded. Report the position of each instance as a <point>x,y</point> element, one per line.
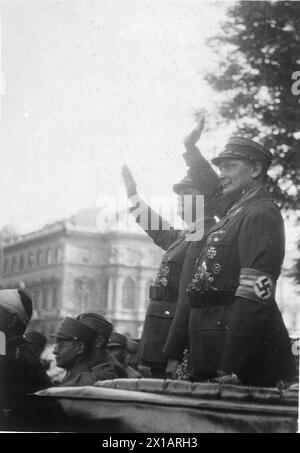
<point>243,148</point>
<point>117,339</point>
<point>71,329</point>
<point>183,186</point>
<point>96,322</point>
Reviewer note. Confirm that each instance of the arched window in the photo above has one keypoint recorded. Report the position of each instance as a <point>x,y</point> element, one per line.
<point>58,255</point>
<point>128,300</point>
<point>84,290</point>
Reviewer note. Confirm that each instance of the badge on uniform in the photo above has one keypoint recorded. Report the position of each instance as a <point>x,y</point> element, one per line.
<point>216,268</point>
<point>211,252</point>
<point>163,281</point>
<point>263,287</point>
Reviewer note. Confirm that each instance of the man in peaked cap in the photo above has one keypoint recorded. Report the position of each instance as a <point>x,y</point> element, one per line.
<point>100,367</point>
<point>73,344</point>
<point>236,332</point>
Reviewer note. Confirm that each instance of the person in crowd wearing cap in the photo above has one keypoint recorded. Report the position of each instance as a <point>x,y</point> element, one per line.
<point>181,250</point>
<point>118,351</point>
<point>236,332</point>
<point>20,370</point>
<point>73,345</point>
<point>37,342</point>
<point>100,367</point>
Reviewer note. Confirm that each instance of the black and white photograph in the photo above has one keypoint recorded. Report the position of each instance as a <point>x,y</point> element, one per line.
<point>150,212</point>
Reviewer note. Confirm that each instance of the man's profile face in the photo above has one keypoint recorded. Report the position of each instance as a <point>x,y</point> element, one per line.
<point>235,175</point>
<point>65,352</point>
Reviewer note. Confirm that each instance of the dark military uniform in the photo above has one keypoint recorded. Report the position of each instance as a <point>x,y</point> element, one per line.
<point>86,374</point>
<point>235,326</point>
<point>21,373</point>
<point>181,253</point>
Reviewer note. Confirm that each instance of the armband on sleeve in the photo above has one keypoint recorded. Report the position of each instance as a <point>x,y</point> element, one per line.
<point>255,285</point>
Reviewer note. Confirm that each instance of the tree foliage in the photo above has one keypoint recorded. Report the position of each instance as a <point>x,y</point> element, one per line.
<point>258,52</point>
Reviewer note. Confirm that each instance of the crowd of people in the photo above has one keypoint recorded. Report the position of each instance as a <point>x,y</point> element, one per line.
<point>212,314</point>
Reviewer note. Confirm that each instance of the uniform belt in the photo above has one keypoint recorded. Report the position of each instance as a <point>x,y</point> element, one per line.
<point>157,292</point>
<point>211,298</point>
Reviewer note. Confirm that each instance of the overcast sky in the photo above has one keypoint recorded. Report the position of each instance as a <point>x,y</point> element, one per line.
<point>91,85</point>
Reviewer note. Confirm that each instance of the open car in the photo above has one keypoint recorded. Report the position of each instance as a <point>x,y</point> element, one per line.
<point>162,406</point>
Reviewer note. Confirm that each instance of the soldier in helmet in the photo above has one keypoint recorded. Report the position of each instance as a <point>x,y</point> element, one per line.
<point>236,332</point>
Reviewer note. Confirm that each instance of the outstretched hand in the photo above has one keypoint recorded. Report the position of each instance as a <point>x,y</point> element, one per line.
<point>191,139</point>
<point>129,181</point>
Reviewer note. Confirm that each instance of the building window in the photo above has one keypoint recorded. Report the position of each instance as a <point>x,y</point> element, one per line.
<point>44,302</point>
<point>48,257</point>
<point>84,290</point>
<point>58,255</point>
<point>128,299</point>
<point>6,266</point>
<point>22,262</point>
<point>30,259</point>
<point>39,256</point>
<point>14,264</point>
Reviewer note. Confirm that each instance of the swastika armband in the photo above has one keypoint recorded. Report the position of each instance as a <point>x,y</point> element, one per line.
<point>255,285</point>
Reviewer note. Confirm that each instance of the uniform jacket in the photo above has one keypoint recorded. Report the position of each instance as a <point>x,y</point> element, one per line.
<point>21,372</point>
<point>240,263</point>
<point>88,375</point>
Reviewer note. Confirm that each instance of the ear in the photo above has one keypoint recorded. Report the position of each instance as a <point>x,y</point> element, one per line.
<point>80,347</point>
<point>100,342</point>
<point>256,170</point>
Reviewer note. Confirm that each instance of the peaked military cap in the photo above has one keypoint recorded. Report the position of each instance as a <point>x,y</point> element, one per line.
<point>184,185</point>
<point>73,330</point>
<point>243,148</point>
<point>35,337</point>
<point>96,322</point>
<point>117,339</point>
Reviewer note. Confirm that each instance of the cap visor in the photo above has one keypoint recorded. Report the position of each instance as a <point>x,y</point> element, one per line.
<point>61,336</point>
<point>111,345</point>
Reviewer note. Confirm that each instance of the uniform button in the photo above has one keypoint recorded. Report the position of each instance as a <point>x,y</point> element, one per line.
<point>167,312</point>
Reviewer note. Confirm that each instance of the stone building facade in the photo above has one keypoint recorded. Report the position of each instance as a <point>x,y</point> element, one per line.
<point>69,268</point>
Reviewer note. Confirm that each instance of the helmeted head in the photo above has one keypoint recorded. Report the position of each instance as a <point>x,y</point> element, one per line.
<point>73,342</point>
<point>242,164</point>
<point>15,312</point>
<point>100,324</point>
<point>117,346</point>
